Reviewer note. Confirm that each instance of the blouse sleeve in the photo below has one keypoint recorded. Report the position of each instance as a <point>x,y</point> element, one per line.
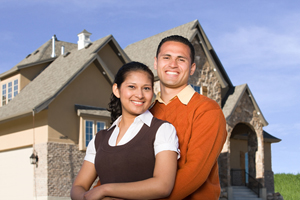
<point>166,139</point>
<point>90,151</point>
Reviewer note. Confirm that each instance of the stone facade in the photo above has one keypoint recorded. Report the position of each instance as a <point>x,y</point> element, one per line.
<point>204,75</point>
<point>57,168</point>
<point>269,181</point>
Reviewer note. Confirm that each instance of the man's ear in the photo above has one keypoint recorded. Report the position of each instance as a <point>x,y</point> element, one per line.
<point>193,68</point>
<point>155,63</point>
<point>115,90</point>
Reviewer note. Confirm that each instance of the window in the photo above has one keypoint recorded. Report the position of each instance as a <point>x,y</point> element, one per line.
<point>89,129</point>
<point>9,91</point>
<point>196,88</point>
<point>3,94</point>
<point>100,126</point>
<point>16,87</point>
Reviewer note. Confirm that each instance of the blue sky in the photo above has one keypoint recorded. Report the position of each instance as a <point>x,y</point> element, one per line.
<point>258,43</point>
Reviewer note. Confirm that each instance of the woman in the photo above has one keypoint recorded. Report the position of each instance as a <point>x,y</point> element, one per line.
<point>136,158</point>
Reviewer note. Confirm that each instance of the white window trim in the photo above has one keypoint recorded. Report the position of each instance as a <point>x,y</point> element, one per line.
<point>6,82</point>
<point>82,133</point>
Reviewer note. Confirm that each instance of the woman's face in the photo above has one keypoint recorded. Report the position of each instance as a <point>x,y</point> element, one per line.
<point>135,93</point>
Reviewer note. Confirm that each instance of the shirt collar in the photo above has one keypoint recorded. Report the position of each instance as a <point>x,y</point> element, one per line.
<point>145,118</point>
<point>184,95</point>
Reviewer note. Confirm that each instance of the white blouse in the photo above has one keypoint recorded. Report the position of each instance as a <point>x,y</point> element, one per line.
<point>165,139</point>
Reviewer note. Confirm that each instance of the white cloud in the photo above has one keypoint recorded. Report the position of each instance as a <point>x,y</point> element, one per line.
<point>261,45</point>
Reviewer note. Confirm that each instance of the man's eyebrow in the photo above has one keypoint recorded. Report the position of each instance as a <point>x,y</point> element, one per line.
<point>182,57</point>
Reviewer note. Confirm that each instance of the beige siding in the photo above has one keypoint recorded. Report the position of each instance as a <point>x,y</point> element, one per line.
<point>268,160</point>
<point>29,73</point>
<point>89,88</point>
<point>111,59</point>
<point>19,133</point>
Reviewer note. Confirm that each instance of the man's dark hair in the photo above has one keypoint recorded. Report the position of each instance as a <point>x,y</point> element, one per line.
<point>177,38</point>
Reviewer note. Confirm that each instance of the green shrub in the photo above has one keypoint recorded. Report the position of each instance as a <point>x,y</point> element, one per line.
<point>288,185</point>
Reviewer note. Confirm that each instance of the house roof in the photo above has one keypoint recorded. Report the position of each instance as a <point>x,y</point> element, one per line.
<point>40,92</point>
<point>234,96</point>
<point>41,55</point>
<point>267,137</point>
<point>91,110</point>
<point>270,138</point>
<point>144,51</point>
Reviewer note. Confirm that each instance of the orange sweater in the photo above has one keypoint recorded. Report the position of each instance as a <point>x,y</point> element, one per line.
<point>201,129</point>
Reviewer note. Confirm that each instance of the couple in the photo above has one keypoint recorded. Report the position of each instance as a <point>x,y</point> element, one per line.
<point>138,156</point>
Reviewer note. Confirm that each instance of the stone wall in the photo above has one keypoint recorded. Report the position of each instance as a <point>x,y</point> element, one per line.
<point>57,168</point>
<point>41,171</point>
<point>64,163</point>
<point>269,181</point>
<point>246,113</point>
<point>204,75</point>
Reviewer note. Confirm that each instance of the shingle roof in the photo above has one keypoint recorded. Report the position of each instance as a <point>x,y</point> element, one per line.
<point>234,97</point>
<point>41,55</point>
<point>44,88</point>
<point>270,138</point>
<point>267,137</point>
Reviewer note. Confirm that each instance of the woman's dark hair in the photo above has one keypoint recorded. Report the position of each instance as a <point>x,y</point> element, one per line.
<point>115,103</point>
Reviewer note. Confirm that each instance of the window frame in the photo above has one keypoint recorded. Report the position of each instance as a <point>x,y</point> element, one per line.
<point>9,89</point>
<point>83,139</point>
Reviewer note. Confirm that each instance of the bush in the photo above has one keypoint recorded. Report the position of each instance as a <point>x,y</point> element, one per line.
<point>288,185</point>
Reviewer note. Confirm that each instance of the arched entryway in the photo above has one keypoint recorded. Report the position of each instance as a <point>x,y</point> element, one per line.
<point>243,147</point>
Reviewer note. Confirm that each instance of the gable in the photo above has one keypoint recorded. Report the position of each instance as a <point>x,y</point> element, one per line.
<point>234,98</point>
<point>44,88</point>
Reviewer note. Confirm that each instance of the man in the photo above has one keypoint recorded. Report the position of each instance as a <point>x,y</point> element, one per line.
<point>199,121</point>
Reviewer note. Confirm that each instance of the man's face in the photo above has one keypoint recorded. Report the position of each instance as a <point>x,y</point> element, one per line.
<point>174,65</point>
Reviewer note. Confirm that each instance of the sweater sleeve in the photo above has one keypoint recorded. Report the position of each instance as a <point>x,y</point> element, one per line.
<point>205,144</point>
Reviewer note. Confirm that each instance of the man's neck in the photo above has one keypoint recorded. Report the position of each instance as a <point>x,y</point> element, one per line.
<point>167,93</point>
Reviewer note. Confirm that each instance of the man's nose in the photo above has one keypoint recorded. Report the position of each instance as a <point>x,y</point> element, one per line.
<point>173,63</point>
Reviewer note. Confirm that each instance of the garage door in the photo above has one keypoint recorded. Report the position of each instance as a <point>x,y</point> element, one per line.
<point>16,174</point>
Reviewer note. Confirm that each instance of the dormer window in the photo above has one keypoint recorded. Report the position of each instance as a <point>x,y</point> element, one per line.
<point>3,94</point>
<point>9,91</point>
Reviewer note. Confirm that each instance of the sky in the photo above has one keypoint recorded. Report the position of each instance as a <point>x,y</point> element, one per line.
<point>258,43</point>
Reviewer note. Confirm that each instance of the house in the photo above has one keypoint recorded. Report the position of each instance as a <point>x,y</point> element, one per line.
<point>54,101</point>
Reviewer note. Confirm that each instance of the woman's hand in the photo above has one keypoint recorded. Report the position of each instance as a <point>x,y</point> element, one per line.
<point>83,181</point>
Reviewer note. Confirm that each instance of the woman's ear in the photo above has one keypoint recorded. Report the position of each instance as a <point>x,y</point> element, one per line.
<point>115,90</point>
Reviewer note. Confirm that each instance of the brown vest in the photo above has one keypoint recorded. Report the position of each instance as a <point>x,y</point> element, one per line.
<point>133,161</point>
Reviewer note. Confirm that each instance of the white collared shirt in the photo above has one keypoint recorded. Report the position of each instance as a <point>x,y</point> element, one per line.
<point>165,139</point>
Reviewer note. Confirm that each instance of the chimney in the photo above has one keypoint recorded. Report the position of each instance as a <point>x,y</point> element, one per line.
<point>83,39</point>
<point>62,50</point>
<point>53,46</point>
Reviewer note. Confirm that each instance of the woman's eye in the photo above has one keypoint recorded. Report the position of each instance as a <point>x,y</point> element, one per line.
<point>131,86</point>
